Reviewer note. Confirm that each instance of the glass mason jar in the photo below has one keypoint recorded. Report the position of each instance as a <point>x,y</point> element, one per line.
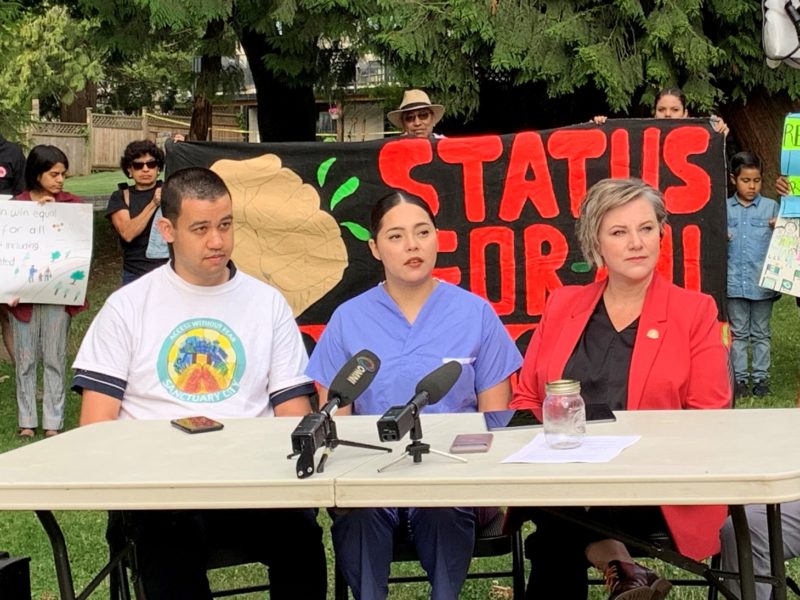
<point>564,414</point>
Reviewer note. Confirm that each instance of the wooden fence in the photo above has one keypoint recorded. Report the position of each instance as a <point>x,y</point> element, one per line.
<point>98,144</point>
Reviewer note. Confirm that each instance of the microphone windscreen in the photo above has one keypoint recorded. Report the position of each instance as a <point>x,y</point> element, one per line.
<point>437,383</point>
<point>354,377</point>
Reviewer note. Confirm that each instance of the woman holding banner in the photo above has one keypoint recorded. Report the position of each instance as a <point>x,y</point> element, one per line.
<point>414,323</point>
<point>42,329</point>
<point>671,104</point>
<point>635,341</point>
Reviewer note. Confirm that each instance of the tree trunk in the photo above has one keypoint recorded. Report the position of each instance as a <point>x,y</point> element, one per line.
<point>758,127</point>
<point>202,111</point>
<point>76,112</point>
<point>287,111</point>
<point>207,83</point>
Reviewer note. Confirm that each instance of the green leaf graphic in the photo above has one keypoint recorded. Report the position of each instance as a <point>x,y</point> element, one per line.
<point>580,267</point>
<point>359,232</point>
<point>322,170</point>
<point>347,188</point>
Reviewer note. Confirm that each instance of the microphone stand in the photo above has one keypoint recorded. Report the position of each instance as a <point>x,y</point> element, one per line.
<point>332,441</point>
<point>417,448</point>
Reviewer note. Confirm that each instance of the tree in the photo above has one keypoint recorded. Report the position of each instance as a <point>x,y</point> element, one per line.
<point>45,56</point>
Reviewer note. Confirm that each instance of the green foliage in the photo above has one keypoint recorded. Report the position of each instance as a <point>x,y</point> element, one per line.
<point>46,55</point>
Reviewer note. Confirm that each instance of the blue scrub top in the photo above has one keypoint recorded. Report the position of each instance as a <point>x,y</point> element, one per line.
<point>454,324</point>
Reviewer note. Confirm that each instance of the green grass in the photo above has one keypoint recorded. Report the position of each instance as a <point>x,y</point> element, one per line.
<point>21,534</point>
<point>96,184</point>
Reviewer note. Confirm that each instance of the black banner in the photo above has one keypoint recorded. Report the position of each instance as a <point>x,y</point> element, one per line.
<point>505,209</point>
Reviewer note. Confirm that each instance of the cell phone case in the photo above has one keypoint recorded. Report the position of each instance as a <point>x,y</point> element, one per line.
<point>197,424</point>
<point>469,443</point>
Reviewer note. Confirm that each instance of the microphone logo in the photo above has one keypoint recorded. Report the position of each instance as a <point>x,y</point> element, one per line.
<point>364,365</point>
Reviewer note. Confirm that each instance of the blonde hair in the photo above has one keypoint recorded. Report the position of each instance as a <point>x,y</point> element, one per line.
<point>603,197</point>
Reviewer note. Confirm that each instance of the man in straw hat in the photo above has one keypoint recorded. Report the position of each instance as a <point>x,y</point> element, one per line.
<point>416,115</point>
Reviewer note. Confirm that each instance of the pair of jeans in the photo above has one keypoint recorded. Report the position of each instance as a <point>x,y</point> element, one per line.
<point>44,335</point>
<point>749,320</point>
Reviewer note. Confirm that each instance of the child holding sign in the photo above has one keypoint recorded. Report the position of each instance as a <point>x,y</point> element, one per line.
<point>751,218</point>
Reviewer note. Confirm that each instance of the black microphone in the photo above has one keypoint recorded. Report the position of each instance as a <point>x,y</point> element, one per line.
<point>351,381</point>
<point>348,384</point>
<point>399,420</point>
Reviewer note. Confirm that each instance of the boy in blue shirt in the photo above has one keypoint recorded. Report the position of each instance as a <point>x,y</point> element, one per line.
<point>751,218</point>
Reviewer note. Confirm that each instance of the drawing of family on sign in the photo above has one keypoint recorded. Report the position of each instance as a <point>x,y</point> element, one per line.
<point>45,252</point>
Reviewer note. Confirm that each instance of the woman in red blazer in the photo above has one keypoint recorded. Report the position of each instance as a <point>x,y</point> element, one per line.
<point>636,342</point>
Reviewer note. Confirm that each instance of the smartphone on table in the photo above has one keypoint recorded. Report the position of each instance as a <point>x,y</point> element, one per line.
<point>196,424</point>
<point>497,420</point>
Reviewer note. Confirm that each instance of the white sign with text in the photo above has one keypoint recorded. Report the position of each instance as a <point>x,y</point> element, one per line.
<point>45,251</point>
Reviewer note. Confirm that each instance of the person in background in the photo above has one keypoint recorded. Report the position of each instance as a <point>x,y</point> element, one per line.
<point>414,323</point>
<point>416,116</point>
<point>635,341</point>
<point>12,182</point>
<point>132,210</point>
<point>197,336</point>
<point>42,329</point>
<point>751,218</point>
<point>671,104</point>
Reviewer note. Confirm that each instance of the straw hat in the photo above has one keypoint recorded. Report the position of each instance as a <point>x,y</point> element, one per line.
<point>414,100</point>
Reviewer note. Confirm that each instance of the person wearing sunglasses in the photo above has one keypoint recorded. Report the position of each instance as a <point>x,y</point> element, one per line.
<point>416,116</point>
<point>132,209</point>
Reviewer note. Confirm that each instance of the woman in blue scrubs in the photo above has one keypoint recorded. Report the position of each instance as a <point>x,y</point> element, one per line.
<point>414,323</point>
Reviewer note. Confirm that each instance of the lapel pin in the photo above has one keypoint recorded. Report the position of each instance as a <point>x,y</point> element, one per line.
<point>652,334</point>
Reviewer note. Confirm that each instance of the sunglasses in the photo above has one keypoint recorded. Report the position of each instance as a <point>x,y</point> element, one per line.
<point>422,115</point>
<point>138,166</point>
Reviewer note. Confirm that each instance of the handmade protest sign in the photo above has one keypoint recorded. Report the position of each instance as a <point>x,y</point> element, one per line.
<point>45,251</point>
<point>505,207</point>
<point>781,270</point>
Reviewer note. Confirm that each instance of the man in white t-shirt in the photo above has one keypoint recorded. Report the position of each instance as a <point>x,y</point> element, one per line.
<point>198,337</point>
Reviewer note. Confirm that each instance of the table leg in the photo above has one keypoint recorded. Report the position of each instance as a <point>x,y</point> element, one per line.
<point>776,558</point>
<point>745,552</point>
<point>60,557</point>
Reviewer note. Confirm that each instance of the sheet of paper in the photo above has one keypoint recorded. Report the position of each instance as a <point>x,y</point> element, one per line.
<point>595,449</point>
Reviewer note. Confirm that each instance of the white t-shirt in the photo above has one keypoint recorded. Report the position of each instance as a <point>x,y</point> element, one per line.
<point>169,349</point>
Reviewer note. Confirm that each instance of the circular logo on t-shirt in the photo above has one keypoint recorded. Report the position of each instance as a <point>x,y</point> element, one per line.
<point>201,360</point>
<point>3,171</point>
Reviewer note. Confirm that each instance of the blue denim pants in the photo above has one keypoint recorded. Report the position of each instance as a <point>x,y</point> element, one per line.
<point>749,320</point>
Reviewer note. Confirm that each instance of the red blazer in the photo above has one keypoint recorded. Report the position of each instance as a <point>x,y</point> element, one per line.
<point>679,361</point>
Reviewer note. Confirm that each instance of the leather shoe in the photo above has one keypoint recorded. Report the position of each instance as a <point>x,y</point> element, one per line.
<point>629,581</point>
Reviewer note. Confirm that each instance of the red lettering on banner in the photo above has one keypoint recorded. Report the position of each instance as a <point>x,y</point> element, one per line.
<point>665,264</point>
<point>691,258</point>
<point>503,238</point>
<point>397,159</point>
<point>448,242</point>
<point>527,154</point>
<point>314,331</point>
<point>679,144</point>
<point>577,146</point>
<point>620,167</point>
<point>541,266</point>
<point>650,146</point>
<point>471,153</point>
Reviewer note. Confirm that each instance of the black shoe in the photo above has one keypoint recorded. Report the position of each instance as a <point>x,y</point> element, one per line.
<point>761,388</point>
<point>629,581</point>
<point>742,389</point>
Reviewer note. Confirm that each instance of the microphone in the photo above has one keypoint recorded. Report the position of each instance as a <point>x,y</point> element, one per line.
<point>399,420</point>
<point>351,381</point>
<point>314,429</point>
